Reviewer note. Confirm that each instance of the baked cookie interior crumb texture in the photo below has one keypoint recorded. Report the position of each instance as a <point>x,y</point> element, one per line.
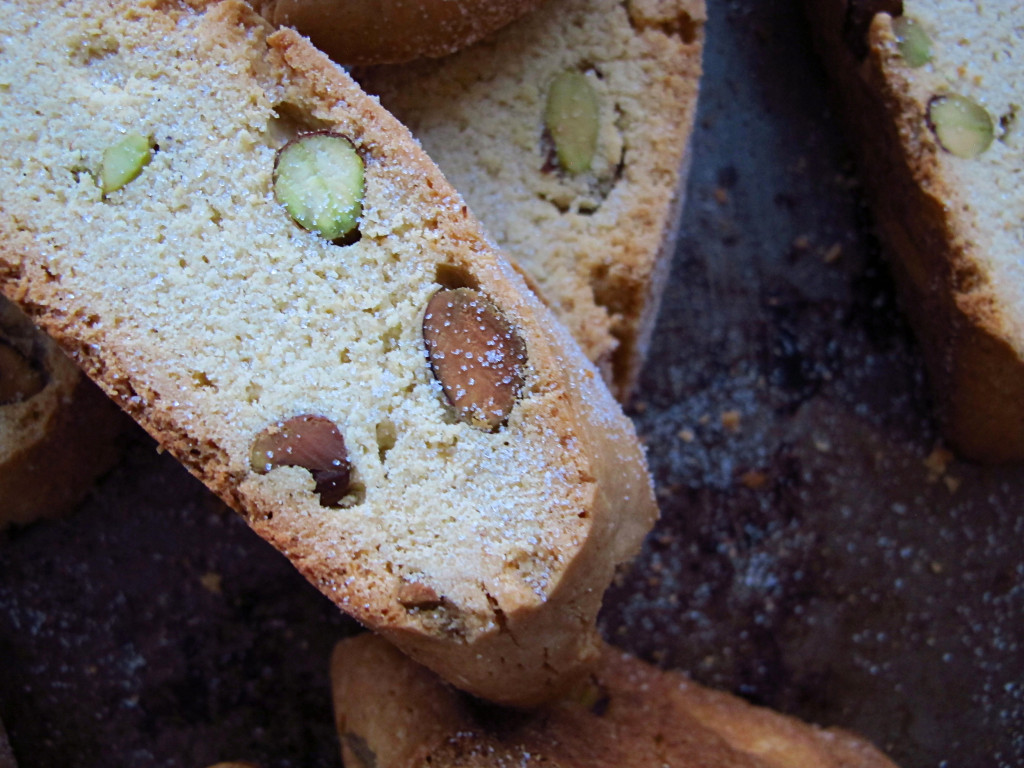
<point>596,242</point>
<point>199,305</point>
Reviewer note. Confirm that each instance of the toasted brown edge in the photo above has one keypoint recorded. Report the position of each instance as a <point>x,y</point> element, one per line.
<point>975,366</point>
<point>355,32</point>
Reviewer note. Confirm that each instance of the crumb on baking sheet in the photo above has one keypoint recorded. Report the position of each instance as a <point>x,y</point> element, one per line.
<point>731,420</point>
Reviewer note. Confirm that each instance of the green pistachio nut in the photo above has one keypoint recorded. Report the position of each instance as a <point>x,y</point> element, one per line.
<point>319,179</point>
<point>913,42</point>
<point>962,126</point>
<point>572,117</point>
<point>124,161</point>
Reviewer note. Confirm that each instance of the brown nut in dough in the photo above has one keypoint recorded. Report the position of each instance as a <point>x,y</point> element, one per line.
<point>393,31</point>
<point>475,354</point>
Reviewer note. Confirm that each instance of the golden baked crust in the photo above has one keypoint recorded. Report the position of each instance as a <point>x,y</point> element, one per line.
<point>598,245</point>
<point>391,713</point>
<point>194,301</point>
<point>393,31</point>
<point>940,253</point>
<point>55,443</point>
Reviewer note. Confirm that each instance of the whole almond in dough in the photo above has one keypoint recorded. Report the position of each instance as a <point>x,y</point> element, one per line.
<point>476,355</point>
<point>310,442</point>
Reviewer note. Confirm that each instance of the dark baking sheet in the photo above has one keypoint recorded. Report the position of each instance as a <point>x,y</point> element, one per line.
<point>819,552</point>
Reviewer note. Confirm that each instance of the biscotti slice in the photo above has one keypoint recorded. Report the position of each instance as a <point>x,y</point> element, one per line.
<point>931,92</point>
<point>58,432</point>
<point>392,31</point>
<point>568,134</point>
<point>467,495</point>
<point>392,713</point>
